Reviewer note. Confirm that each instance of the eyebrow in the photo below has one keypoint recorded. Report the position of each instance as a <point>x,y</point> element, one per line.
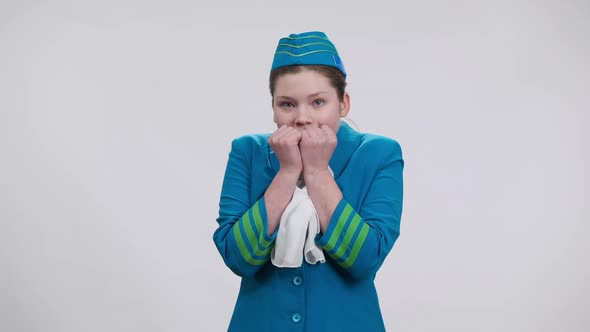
<point>310,96</point>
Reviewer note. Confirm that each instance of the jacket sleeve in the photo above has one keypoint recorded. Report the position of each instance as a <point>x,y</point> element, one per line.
<point>360,240</point>
<point>242,235</point>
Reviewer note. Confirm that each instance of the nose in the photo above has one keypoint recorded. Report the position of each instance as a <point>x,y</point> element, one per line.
<point>303,117</point>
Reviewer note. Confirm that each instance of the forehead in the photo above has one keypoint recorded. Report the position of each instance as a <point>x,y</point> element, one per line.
<point>303,83</point>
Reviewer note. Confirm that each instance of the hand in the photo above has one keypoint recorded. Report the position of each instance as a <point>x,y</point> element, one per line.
<point>317,146</point>
<point>285,144</point>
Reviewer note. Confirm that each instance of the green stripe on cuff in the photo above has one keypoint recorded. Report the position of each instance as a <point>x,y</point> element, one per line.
<point>354,224</point>
<point>260,225</point>
<point>339,227</point>
<point>257,218</point>
<point>249,231</point>
<point>360,240</point>
<point>243,248</point>
<point>252,237</point>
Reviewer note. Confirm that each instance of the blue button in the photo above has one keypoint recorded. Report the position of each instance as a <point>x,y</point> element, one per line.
<point>297,281</point>
<point>296,318</point>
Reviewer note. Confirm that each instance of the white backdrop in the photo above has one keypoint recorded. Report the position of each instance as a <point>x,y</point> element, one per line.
<point>116,122</point>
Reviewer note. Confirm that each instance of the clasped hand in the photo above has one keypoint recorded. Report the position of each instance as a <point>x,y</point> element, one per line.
<point>307,150</point>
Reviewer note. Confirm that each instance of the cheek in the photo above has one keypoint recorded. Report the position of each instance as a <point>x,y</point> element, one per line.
<point>333,120</point>
<point>280,118</point>
<point>330,117</point>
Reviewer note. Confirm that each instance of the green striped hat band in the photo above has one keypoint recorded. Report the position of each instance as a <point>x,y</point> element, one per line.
<point>308,48</point>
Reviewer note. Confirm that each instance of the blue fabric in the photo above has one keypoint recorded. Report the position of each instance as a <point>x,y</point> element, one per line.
<point>339,295</point>
<point>308,48</point>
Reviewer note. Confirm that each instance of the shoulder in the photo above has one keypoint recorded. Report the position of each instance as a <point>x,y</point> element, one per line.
<point>250,142</point>
<point>378,146</point>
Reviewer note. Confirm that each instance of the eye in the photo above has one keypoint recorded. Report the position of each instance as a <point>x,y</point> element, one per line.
<point>286,105</point>
<point>319,102</point>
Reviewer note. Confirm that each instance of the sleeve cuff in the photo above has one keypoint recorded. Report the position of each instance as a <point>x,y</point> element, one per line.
<point>250,234</point>
<point>339,218</point>
<point>345,235</point>
<point>259,209</point>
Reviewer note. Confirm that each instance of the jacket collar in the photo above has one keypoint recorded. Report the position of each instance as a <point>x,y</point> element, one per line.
<point>348,140</point>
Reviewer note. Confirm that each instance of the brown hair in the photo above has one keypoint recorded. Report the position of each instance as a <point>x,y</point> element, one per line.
<point>336,77</point>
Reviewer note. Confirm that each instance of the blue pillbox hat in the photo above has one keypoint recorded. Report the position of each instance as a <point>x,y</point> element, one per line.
<point>308,48</point>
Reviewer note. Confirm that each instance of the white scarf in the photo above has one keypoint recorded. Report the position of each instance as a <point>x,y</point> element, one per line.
<point>296,237</point>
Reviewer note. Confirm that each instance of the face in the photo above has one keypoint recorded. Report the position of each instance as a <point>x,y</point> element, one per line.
<point>306,98</point>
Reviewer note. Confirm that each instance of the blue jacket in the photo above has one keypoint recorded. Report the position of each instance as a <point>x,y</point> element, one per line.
<point>340,294</point>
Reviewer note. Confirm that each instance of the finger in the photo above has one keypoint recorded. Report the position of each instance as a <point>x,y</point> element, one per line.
<point>285,131</point>
<point>279,132</point>
<point>304,136</point>
<point>289,137</point>
<point>293,135</point>
<point>328,131</point>
<point>299,135</point>
<point>281,139</point>
<point>313,136</point>
<point>321,133</point>
<point>305,132</point>
<point>316,134</point>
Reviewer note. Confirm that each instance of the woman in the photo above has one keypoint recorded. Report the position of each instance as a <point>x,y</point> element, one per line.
<point>316,184</point>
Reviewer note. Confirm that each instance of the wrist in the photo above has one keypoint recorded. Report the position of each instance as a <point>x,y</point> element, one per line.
<point>291,174</point>
<point>315,173</point>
